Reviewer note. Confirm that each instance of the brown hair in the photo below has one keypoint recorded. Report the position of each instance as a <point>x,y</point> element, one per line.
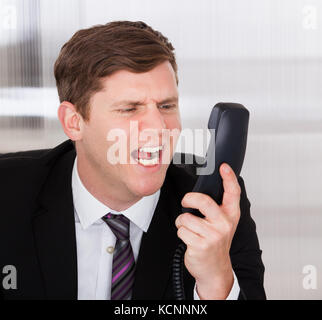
<point>94,53</point>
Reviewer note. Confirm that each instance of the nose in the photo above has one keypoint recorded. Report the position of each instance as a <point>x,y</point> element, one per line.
<point>151,125</point>
<point>152,120</point>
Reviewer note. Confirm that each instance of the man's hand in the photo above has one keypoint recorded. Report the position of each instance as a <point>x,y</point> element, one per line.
<point>209,239</point>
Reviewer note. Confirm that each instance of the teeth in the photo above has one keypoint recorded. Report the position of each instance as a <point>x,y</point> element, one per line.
<point>150,149</point>
<point>146,162</point>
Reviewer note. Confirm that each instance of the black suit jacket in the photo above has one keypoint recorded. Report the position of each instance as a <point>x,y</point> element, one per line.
<point>37,231</point>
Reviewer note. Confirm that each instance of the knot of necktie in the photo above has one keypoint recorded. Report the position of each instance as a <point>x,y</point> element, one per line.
<point>119,225</point>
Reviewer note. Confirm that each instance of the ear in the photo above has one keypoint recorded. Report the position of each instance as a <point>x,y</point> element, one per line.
<point>70,120</point>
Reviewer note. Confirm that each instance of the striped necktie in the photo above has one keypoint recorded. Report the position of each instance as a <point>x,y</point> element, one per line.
<point>123,258</point>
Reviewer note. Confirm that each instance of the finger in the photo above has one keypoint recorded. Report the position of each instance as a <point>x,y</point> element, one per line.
<point>195,224</point>
<point>231,196</point>
<point>205,204</point>
<point>188,237</point>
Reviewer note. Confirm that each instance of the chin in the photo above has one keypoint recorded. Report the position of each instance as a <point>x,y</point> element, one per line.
<point>146,188</point>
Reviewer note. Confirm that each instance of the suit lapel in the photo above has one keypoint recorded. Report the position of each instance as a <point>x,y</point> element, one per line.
<point>54,232</point>
<point>154,264</point>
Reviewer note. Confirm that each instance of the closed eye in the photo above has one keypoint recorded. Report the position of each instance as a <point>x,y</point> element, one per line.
<point>126,110</point>
<point>130,110</point>
<point>167,106</point>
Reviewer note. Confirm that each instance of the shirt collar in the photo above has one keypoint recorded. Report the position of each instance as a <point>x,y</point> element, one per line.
<point>89,210</point>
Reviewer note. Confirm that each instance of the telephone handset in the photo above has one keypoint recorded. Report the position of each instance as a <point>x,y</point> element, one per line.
<point>228,125</point>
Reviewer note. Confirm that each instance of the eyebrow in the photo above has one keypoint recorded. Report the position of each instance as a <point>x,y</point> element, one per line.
<point>135,103</point>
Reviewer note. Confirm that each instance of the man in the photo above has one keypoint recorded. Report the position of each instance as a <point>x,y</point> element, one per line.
<point>77,225</point>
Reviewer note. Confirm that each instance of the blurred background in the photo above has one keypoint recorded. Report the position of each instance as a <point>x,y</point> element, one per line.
<point>264,54</point>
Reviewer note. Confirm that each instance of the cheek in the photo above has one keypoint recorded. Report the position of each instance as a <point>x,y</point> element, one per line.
<point>99,127</point>
<point>95,138</point>
<point>117,143</point>
<point>173,121</point>
<point>95,134</point>
<point>173,124</point>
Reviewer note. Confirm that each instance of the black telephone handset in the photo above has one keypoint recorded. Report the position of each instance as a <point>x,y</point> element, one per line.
<point>228,125</point>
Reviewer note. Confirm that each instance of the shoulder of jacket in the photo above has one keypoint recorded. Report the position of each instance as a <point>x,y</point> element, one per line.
<point>24,173</point>
<point>34,157</point>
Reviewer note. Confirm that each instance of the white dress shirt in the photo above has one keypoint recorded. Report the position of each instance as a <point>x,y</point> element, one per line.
<point>95,241</point>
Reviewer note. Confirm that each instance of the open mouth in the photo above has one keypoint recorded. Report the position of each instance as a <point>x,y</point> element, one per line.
<point>148,156</point>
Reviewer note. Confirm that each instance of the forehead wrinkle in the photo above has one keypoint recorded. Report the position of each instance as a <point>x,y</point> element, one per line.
<point>137,102</point>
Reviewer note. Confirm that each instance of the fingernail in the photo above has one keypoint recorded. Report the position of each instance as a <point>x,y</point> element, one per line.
<point>226,168</point>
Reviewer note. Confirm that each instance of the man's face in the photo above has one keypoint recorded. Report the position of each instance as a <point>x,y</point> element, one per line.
<point>150,102</point>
